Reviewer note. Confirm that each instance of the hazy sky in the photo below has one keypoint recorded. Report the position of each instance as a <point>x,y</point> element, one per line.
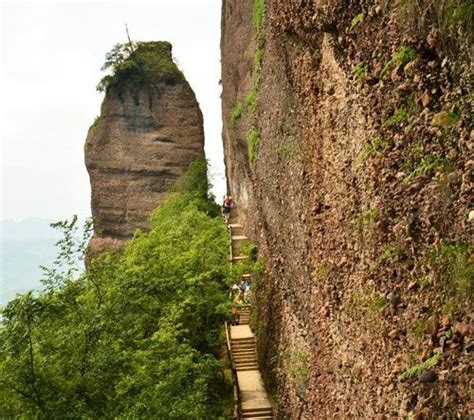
<point>51,55</point>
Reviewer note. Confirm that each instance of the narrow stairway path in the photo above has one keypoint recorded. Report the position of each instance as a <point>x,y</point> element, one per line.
<point>254,401</point>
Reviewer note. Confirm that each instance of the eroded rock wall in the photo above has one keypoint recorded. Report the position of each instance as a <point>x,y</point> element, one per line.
<point>359,186</point>
<point>143,140</point>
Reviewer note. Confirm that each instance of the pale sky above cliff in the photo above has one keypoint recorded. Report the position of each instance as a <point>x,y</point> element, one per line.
<point>51,55</point>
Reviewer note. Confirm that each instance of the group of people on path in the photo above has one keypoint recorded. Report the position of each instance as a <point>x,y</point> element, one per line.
<point>239,295</point>
<point>240,292</point>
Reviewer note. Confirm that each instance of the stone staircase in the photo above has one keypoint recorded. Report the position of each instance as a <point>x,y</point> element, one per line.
<point>244,354</point>
<point>254,401</point>
<point>244,317</point>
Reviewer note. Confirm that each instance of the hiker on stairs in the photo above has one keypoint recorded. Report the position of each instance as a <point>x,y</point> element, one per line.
<point>247,291</point>
<point>227,207</point>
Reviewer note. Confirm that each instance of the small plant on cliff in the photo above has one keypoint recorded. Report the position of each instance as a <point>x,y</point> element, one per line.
<point>451,18</point>
<point>428,164</point>
<point>237,113</point>
<point>399,116</point>
<point>360,71</point>
<point>253,137</point>
<point>321,271</point>
<point>419,368</point>
<point>251,101</point>
<point>258,12</point>
<point>257,60</point>
<point>389,252</point>
<point>369,150</point>
<point>96,121</point>
<point>400,57</point>
<point>298,366</point>
<point>453,266</point>
<point>366,220</point>
<point>357,19</point>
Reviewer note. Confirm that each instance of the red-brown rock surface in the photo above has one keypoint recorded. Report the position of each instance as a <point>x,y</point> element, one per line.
<point>359,204</point>
<point>145,137</point>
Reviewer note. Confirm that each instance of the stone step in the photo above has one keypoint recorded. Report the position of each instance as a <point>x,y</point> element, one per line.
<point>245,347</point>
<point>240,346</point>
<point>249,362</point>
<point>242,359</point>
<point>258,415</point>
<point>256,410</point>
<point>242,343</point>
<point>246,369</point>
<point>265,417</point>
<point>245,361</point>
<point>243,353</point>
<point>243,340</point>
<point>251,359</point>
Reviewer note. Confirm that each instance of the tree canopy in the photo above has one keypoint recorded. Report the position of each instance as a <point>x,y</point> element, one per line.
<point>138,64</point>
<point>137,334</point>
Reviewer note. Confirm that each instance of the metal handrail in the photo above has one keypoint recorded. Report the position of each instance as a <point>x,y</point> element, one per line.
<point>235,379</point>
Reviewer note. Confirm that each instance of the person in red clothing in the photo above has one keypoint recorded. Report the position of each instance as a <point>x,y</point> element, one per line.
<point>235,315</point>
<point>227,207</point>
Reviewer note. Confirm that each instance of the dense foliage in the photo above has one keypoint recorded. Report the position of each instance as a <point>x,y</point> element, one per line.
<point>137,335</point>
<point>138,64</point>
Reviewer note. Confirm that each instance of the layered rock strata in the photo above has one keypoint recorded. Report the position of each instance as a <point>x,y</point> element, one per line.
<point>149,130</point>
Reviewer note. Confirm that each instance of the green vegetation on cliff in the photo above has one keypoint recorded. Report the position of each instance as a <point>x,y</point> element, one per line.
<point>137,335</point>
<point>137,64</point>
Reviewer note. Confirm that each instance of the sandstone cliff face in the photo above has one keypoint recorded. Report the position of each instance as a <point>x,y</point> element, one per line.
<point>358,229</point>
<point>146,136</point>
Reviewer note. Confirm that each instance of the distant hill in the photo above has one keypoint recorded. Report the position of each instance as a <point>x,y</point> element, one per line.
<point>24,246</point>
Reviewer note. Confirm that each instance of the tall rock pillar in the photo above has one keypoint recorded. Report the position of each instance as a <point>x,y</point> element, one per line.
<point>149,130</point>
